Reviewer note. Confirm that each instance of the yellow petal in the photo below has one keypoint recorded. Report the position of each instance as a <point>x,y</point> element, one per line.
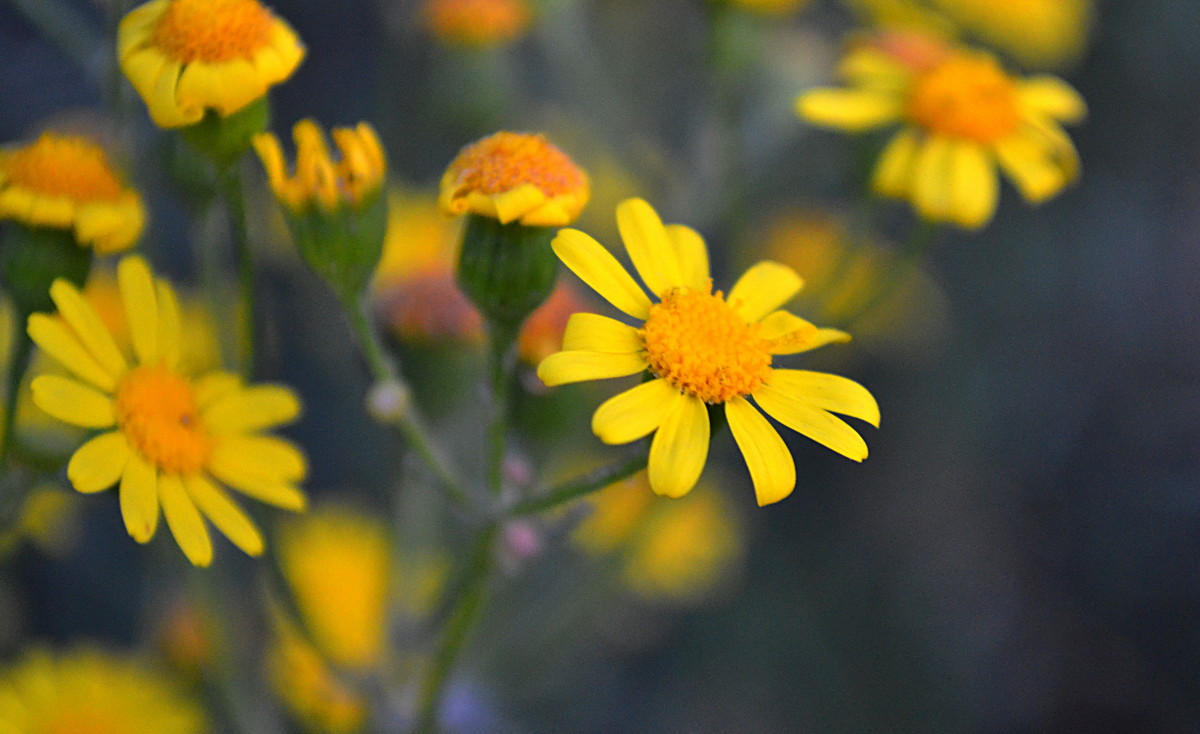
<point>55,339</point>
<point>894,173</point>
<point>771,467</point>
<point>224,514</point>
<point>516,203</point>
<point>692,254</point>
<point>1052,97</point>
<point>591,332</point>
<point>975,185</point>
<point>251,409</point>
<point>138,25</point>
<point>246,473</point>
<point>811,421</point>
<point>791,334</point>
<point>86,324</point>
<point>274,456</point>
<point>141,307</point>
<point>635,413</point>
<point>852,110</point>
<point>226,86</point>
<point>596,266</point>
<point>561,368</point>
<point>679,448</point>
<point>652,252</point>
<point>139,498</point>
<point>72,402</point>
<point>215,385</point>
<point>169,330</point>
<point>933,183</point>
<point>185,521</point>
<point>161,100</point>
<point>1031,167</point>
<point>763,288</point>
<point>99,463</point>
<point>828,392</point>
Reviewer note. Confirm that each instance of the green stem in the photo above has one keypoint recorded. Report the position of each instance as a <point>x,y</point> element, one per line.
<point>231,186</point>
<point>501,362</point>
<point>576,488</point>
<point>911,253</point>
<point>463,616</point>
<point>18,362</point>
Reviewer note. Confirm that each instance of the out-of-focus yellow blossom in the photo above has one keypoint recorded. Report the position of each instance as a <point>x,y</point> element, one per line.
<point>674,550</point>
<point>48,520</point>
<point>310,689</point>
<point>68,182</point>
<point>187,637</point>
<point>961,115</point>
<point>169,435</point>
<point>770,7</point>
<point>318,179</point>
<point>185,57</point>
<point>515,177</point>
<point>703,349</point>
<point>477,23</point>
<point>88,691</point>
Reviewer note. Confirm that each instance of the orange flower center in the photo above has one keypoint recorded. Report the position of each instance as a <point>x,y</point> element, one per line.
<point>696,342</point>
<point>504,161</point>
<point>213,31</point>
<point>63,166</point>
<point>965,97</point>
<point>157,412</point>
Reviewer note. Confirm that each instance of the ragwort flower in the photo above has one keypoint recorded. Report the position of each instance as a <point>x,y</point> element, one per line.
<point>703,349</point>
<point>67,182</point>
<point>962,115</point>
<point>169,439</point>
<point>319,180</point>
<point>185,57</point>
<point>477,23</point>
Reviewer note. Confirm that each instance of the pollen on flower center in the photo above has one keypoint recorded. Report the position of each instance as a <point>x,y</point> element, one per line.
<point>62,165</point>
<point>506,160</point>
<point>698,344</point>
<point>157,412</point>
<point>212,31</point>
<point>965,97</point>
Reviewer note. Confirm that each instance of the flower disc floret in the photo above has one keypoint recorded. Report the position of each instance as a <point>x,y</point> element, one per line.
<point>64,166</point>
<point>698,344</point>
<point>212,30</point>
<point>157,410</point>
<point>966,97</point>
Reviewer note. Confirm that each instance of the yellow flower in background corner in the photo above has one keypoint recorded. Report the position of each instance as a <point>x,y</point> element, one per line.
<point>477,23</point>
<point>515,177</point>
<point>185,57</point>
<point>318,180</point>
<point>169,439</point>
<point>68,182</point>
<point>88,690</point>
<point>704,349</point>
<point>1040,34</point>
<point>962,116</point>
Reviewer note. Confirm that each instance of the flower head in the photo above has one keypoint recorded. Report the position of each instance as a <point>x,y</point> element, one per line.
<point>318,179</point>
<point>703,348</point>
<point>477,23</point>
<point>962,115</point>
<point>169,439</point>
<point>770,7</point>
<point>67,182</point>
<point>87,690</point>
<point>515,177</point>
<point>185,57</point>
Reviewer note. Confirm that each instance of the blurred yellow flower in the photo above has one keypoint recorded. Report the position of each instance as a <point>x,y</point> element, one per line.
<point>704,349</point>
<point>48,519</point>
<point>477,23</point>
<point>87,691</point>
<point>318,179</point>
<point>515,177</point>
<point>172,434</point>
<point>67,182</point>
<point>185,57</point>
<point>310,689</point>
<point>770,7</point>
<point>961,116</point>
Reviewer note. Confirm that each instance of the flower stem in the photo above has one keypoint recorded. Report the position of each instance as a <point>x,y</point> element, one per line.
<point>235,198</point>
<point>463,615</point>
<point>502,357</point>
<point>580,486</point>
<point>910,254</point>
<point>18,362</point>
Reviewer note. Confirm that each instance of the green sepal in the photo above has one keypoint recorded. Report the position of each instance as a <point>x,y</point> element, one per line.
<point>507,270</point>
<point>343,246</point>
<point>224,139</point>
<point>32,258</point>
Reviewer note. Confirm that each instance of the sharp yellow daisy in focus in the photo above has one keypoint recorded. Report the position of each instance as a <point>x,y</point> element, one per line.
<point>703,349</point>
<point>515,177</point>
<point>170,440</point>
<point>185,57</point>
<point>961,115</point>
<point>67,182</point>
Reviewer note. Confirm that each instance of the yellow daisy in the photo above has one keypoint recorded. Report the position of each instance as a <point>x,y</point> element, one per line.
<point>961,115</point>
<point>702,349</point>
<point>515,177</point>
<point>170,440</point>
<point>67,182</point>
<point>188,56</point>
<point>87,690</point>
<point>318,178</point>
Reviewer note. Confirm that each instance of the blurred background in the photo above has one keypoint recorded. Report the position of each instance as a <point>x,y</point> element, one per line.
<point>1018,554</point>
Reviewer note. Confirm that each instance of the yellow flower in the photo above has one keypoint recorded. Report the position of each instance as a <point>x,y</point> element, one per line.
<point>515,177</point>
<point>67,182</point>
<point>770,7</point>
<point>166,435</point>
<point>703,349</point>
<point>48,519</point>
<point>188,56</point>
<point>87,690</point>
<point>306,684</point>
<point>961,116</point>
<point>477,23</point>
<point>318,179</point>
